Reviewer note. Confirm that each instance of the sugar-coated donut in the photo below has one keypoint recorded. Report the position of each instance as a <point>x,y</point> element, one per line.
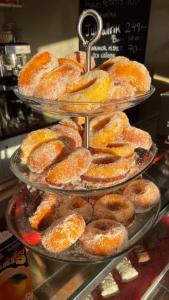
<point>76,204</point>
<point>46,211</point>
<point>137,138</point>
<point>108,64</point>
<point>73,63</point>
<point>44,155</point>
<point>104,237</point>
<point>142,193</point>
<point>68,135</point>
<point>53,83</point>
<point>104,129</point>
<point>71,124</point>
<point>114,207</point>
<point>106,168</point>
<point>32,72</point>
<point>116,148</point>
<point>63,233</point>
<point>80,57</point>
<point>91,87</point>
<point>34,139</point>
<point>71,168</point>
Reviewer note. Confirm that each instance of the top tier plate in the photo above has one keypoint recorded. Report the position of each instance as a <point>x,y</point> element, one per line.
<point>82,108</point>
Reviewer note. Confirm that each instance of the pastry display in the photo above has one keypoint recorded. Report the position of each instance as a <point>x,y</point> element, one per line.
<point>142,193</point>
<point>86,161</point>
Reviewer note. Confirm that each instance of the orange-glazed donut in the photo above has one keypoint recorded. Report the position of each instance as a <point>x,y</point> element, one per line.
<point>53,83</point>
<point>68,61</point>
<point>114,207</point>
<point>143,194</point>
<point>108,64</point>
<point>34,139</point>
<point>132,73</point>
<point>45,155</point>
<point>32,72</point>
<point>104,237</point>
<point>137,138</point>
<point>76,204</point>
<point>117,148</point>
<point>80,57</point>
<point>46,211</point>
<point>106,168</point>
<point>68,135</point>
<point>71,168</point>
<point>63,233</point>
<point>91,87</point>
<point>71,124</point>
<point>104,129</point>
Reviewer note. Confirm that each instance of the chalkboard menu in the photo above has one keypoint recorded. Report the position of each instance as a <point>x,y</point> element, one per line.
<point>125,26</point>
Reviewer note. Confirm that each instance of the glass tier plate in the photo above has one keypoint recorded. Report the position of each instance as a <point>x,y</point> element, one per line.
<point>143,160</point>
<point>82,108</point>
<point>23,205</point>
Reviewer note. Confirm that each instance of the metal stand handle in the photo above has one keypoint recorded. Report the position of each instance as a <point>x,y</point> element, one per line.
<point>88,45</point>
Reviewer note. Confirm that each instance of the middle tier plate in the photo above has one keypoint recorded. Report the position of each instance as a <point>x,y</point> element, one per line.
<point>143,160</point>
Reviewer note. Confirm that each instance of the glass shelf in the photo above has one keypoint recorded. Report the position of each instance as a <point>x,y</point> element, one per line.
<point>82,108</point>
<point>143,161</point>
<point>23,205</point>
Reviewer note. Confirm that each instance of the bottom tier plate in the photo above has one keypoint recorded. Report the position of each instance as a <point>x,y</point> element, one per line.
<point>22,206</point>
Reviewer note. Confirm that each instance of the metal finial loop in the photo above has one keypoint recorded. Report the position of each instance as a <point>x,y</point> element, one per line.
<point>95,38</point>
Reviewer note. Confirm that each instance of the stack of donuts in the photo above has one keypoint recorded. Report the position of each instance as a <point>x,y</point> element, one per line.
<point>99,224</point>
<point>57,158</point>
<point>63,80</point>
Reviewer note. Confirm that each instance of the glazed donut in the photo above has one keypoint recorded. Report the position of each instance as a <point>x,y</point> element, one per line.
<point>46,211</point>
<point>68,61</point>
<point>104,129</point>
<point>69,136</point>
<point>132,73</point>
<point>114,207</point>
<point>44,155</point>
<point>108,64</point>
<point>118,149</point>
<point>143,194</point>
<point>78,205</point>
<point>34,139</point>
<point>80,57</point>
<point>137,138</point>
<point>71,124</point>
<point>104,237</point>
<point>53,83</point>
<point>106,168</point>
<point>91,87</point>
<point>71,168</point>
<point>63,233</point>
<point>32,72</point>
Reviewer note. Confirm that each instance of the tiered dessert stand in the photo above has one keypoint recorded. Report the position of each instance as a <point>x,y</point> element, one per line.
<point>24,203</point>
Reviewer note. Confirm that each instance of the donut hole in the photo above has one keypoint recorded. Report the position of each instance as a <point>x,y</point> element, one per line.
<point>138,190</point>
<point>114,206</point>
<point>76,205</point>
<point>105,160</point>
<point>101,124</point>
<point>116,145</point>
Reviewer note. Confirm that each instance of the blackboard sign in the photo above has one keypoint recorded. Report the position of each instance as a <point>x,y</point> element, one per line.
<point>125,26</point>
